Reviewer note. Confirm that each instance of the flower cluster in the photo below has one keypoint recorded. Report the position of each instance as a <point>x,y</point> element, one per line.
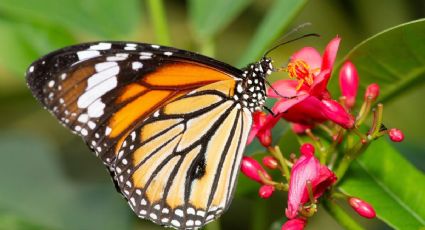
<point>304,101</point>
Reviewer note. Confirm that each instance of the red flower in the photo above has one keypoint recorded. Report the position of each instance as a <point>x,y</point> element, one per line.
<point>294,224</point>
<point>261,128</point>
<point>305,100</point>
<point>362,208</point>
<point>349,83</point>
<point>250,168</point>
<point>307,168</point>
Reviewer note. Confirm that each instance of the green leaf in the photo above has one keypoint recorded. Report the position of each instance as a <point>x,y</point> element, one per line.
<point>277,20</point>
<point>394,187</point>
<point>36,192</point>
<point>105,18</point>
<point>394,58</point>
<point>21,44</point>
<point>209,17</point>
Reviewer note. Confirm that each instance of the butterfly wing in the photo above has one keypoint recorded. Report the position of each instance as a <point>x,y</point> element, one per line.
<point>179,168</point>
<point>162,119</point>
<point>101,91</point>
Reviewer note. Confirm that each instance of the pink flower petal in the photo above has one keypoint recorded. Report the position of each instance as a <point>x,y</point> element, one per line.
<point>286,88</point>
<point>307,168</point>
<point>330,54</point>
<point>309,55</point>
<point>320,84</point>
<point>283,105</point>
<point>305,112</point>
<point>294,224</point>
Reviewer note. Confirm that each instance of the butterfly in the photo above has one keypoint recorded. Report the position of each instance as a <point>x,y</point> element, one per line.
<point>170,125</point>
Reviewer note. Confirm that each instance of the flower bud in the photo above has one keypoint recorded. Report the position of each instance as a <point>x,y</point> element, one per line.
<point>349,83</point>
<point>270,162</point>
<point>250,168</point>
<point>307,149</point>
<point>372,91</point>
<point>362,208</point>
<point>396,135</point>
<point>299,128</point>
<point>266,191</point>
<point>294,224</point>
<point>336,113</point>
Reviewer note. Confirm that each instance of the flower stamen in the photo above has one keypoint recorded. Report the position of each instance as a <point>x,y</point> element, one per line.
<point>300,70</point>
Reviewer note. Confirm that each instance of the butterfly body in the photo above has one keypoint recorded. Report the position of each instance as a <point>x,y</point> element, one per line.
<point>169,124</point>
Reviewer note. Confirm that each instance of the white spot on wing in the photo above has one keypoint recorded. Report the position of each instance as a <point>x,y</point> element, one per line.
<point>96,108</point>
<point>86,54</point>
<point>179,212</point>
<point>101,46</point>
<point>107,131</point>
<point>96,92</point>
<point>175,223</point>
<point>104,65</point>
<point>51,83</point>
<point>83,118</point>
<point>136,65</point>
<point>102,76</point>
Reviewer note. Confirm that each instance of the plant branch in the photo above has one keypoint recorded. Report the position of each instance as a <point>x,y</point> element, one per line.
<point>159,21</point>
<point>341,216</point>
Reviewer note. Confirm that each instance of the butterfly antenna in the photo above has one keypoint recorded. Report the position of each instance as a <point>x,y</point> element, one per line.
<point>270,111</point>
<point>274,90</point>
<point>292,40</point>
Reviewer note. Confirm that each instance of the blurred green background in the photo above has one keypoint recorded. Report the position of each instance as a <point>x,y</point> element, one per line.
<point>48,177</point>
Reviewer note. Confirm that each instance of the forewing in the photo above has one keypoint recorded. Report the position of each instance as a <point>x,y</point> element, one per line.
<point>103,91</point>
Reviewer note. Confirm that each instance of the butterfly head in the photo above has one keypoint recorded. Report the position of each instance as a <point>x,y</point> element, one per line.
<point>252,90</point>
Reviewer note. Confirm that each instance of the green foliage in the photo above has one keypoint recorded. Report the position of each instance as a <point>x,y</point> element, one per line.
<point>210,17</point>
<point>31,30</point>
<point>41,195</point>
<point>394,58</point>
<point>394,187</point>
<point>276,21</point>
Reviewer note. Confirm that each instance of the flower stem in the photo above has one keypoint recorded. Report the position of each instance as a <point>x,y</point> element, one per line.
<point>341,216</point>
<point>378,120</point>
<point>158,18</point>
<point>364,111</point>
<point>316,141</point>
<point>352,154</point>
<point>275,151</point>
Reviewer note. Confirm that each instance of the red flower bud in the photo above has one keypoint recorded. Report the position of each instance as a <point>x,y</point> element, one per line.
<point>270,162</point>
<point>299,128</point>
<point>372,91</point>
<point>349,83</point>
<point>250,168</point>
<point>362,208</point>
<point>307,149</point>
<point>294,224</point>
<point>266,191</point>
<point>336,113</point>
<point>396,135</point>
